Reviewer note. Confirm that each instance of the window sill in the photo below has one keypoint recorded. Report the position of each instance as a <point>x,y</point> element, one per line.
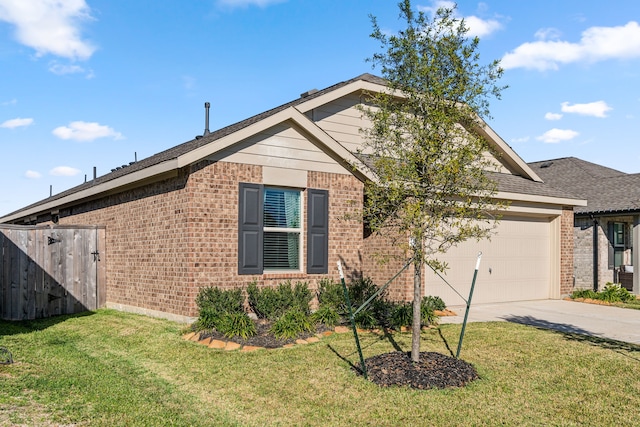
<point>284,275</point>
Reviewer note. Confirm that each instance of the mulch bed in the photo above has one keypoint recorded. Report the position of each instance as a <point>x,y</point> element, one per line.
<point>263,338</point>
<point>434,370</point>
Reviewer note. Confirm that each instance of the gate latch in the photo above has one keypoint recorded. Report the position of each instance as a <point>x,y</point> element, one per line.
<point>52,240</point>
<point>96,256</point>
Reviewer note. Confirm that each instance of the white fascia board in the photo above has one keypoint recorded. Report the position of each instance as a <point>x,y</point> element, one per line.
<point>520,197</point>
<point>95,190</point>
<point>359,85</point>
<point>510,156</point>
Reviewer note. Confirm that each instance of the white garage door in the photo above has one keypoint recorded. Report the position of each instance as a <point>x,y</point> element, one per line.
<point>515,265</point>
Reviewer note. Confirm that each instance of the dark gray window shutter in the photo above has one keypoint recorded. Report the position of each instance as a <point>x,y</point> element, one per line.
<point>317,231</point>
<point>250,230</point>
<point>610,241</point>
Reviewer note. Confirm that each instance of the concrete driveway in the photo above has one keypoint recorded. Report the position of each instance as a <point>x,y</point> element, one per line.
<point>567,316</point>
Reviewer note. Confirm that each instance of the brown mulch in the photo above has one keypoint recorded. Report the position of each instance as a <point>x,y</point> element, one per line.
<point>434,370</point>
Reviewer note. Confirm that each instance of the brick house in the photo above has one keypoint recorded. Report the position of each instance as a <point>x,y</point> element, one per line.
<point>605,231</point>
<point>268,198</point>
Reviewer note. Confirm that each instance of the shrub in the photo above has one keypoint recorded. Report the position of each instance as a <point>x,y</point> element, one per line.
<point>584,293</point>
<point>326,315</point>
<point>434,303</point>
<point>272,303</point>
<point>227,301</point>
<point>427,314</point>
<point>613,292</point>
<point>236,324</point>
<point>302,296</point>
<point>291,324</point>
<point>330,294</point>
<point>401,315</point>
<point>366,319</point>
<point>214,304</point>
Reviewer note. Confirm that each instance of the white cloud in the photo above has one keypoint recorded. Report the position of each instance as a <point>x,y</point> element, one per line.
<point>522,139</point>
<point>16,123</point>
<point>553,116</point>
<point>32,174</point>
<point>245,3</point>
<point>10,102</point>
<point>547,34</point>
<point>557,135</point>
<point>64,171</point>
<point>595,109</point>
<point>61,69</point>
<point>85,131</point>
<point>49,26</point>
<point>596,44</point>
<point>477,26</point>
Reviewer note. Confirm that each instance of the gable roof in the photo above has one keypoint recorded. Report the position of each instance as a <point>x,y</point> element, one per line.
<point>167,162</point>
<point>606,190</point>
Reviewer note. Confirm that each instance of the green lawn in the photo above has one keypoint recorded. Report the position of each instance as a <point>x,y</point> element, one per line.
<point>110,368</point>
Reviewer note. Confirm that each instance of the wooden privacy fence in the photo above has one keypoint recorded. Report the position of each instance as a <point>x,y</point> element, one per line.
<point>51,270</point>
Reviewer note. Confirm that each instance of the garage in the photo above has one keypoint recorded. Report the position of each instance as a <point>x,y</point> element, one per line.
<point>516,265</point>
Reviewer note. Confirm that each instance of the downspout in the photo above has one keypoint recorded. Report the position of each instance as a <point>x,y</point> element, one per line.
<point>595,254</point>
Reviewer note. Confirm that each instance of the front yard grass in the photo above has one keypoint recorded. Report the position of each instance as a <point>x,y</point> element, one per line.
<point>109,368</point>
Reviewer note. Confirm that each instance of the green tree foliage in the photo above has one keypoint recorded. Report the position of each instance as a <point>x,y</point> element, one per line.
<point>426,145</point>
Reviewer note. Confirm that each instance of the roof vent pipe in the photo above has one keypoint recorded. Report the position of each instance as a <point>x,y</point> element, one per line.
<point>95,173</point>
<point>206,118</point>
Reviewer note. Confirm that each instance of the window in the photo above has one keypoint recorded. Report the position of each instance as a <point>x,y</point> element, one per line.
<point>620,241</point>
<point>282,229</point>
<point>270,229</point>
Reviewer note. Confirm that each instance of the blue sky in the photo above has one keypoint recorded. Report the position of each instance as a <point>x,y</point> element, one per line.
<point>95,83</point>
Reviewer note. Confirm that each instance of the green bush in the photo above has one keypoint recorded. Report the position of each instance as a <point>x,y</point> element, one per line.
<point>330,294</point>
<point>427,314</point>
<point>222,301</point>
<point>613,292</point>
<point>272,303</point>
<point>584,293</point>
<point>401,315</point>
<point>214,304</point>
<point>302,296</point>
<point>291,324</point>
<point>326,315</point>
<point>434,303</point>
<point>366,319</point>
<point>236,324</point>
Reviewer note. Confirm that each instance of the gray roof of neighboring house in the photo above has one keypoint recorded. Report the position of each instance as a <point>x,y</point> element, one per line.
<point>606,190</point>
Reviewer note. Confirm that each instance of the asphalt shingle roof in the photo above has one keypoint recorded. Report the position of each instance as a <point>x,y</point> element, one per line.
<point>506,182</point>
<point>606,190</point>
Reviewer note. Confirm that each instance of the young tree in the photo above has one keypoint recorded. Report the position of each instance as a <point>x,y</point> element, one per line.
<point>424,144</point>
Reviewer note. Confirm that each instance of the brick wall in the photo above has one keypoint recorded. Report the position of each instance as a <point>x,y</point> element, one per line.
<point>382,261</point>
<point>566,251</point>
<point>167,240</point>
<point>146,238</point>
<point>583,253</point>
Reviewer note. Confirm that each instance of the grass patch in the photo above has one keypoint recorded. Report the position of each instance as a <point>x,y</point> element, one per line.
<point>116,369</point>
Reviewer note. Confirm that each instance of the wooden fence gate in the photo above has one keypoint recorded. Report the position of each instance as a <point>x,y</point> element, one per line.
<point>51,270</point>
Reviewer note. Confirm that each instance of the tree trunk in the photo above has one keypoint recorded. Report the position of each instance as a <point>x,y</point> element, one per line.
<point>416,325</point>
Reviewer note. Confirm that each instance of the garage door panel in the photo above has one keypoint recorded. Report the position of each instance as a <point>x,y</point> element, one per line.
<point>515,265</point>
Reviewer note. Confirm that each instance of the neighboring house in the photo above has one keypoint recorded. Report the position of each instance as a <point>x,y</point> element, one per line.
<point>268,199</point>
<point>608,228</point>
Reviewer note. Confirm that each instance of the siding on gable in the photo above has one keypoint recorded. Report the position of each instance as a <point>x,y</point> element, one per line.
<point>282,147</point>
<point>341,120</point>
